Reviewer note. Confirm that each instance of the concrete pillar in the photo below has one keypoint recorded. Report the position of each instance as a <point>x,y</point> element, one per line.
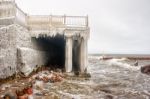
<point>68,54</point>
<point>83,55</point>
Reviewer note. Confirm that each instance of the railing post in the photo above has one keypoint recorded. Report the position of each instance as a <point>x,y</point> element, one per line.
<point>50,18</point>
<point>87,21</point>
<point>64,19</point>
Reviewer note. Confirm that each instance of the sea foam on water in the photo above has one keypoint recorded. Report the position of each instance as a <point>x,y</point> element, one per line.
<point>122,63</point>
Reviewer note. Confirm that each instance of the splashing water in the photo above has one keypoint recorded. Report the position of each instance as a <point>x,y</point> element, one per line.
<point>110,79</point>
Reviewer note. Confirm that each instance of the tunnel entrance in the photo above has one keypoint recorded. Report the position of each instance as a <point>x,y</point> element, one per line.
<point>54,49</point>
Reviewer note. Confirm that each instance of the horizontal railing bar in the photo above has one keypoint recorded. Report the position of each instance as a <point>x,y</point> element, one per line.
<point>7,1</point>
<point>55,16</point>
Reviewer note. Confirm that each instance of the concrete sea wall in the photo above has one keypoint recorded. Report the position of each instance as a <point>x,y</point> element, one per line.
<point>16,51</point>
<point>8,51</point>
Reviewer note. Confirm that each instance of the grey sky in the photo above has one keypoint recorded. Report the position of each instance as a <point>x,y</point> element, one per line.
<point>117,26</point>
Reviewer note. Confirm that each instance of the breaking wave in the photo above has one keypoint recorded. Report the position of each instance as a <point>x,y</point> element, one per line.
<point>123,62</point>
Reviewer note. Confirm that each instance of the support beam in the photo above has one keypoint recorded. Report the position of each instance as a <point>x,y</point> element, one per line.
<point>68,54</point>
<point>83,55</point>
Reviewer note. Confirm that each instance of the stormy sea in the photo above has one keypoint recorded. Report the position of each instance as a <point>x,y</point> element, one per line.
<point>111,77</point>
<point>115,77</point>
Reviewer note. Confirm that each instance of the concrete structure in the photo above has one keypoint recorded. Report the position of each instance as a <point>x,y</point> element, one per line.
<point>30,40</point>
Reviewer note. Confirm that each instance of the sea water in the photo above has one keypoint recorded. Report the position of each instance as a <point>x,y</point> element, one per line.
<point>110,79</point>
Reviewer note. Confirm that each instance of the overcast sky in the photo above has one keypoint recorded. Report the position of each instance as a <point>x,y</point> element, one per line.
<point>117,26</point>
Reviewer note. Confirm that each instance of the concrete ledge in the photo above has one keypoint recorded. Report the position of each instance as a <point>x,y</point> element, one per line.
<point>7,20</point>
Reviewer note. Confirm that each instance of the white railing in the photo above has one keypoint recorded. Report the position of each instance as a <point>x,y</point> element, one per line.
<point>7,0</point>
<point>57,21</point>
<point>77,21</point>
<point>21,17</point>
<point>40,21</point>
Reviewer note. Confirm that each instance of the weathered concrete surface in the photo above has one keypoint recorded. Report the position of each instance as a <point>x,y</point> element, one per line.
<point>23,38</point>
<point>8,51</point>
<point>16,51</point>
<point>29,58</point>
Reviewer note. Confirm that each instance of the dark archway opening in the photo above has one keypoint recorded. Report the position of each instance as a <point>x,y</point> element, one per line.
<point>54,47</point>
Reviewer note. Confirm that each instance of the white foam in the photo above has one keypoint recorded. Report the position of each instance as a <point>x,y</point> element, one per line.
<point>95,57</point>
<point>122,63</point>
<point>70,95</point>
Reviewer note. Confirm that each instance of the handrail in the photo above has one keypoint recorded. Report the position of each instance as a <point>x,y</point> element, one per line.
<point>47,20</point>
<point>52,19</point>
<point>7,0</point>
<point>20,9</point>
<point>21,16</point>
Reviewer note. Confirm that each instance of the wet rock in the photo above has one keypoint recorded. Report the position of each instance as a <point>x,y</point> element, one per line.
<point>58,70</point>
<point>9,96</point>
<point>3,89</point>
<point>56,77</point>
<point>38,94</point>
<point>52,77</point>
<point>108,97</point>
<point>146,69</point>
<point>52,96</point>
<point>39,85</point>
<point>23,97</point>
<point>25,92</point>
<point>26,70</point>
<point>106,90</point>
<point>76,73</point>
<point>136,63</point>
<point>20,92</point>
<point>86,75</point>
<point>5,86</point>
<point>30,97</point>
<point>28,89</point>
<point>43,78</point>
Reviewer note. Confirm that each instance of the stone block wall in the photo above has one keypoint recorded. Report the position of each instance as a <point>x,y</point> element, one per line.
<point>27,55</point>
<point>29,58</point>
<point>16,51</point>
<point>8,51</point>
